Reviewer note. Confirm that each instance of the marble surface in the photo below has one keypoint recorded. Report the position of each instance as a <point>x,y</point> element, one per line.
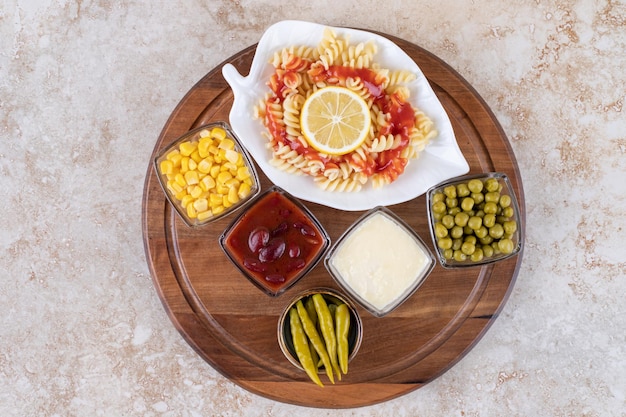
<point>85,88</point>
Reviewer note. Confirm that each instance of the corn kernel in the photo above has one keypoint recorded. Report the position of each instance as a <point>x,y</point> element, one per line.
<point>243,173</point>
<point>186,200</point>
<point>217,210</point>
<point>171,185</point>
<point>227,144</point>
<point>226,203</point>
<point>207,183</point>
<point>187,148</point>
<point>191,177</point>
<point>195,191</point>
<point>204,133</point>
<point>229,166</point>
<point>223,176</point>
<point>203,147</point>
<point>195,156</point>
<point>244,190</point>
<point>215,170</point>
<point>204,166</point>
<point>233,182</point>
<point>221,189</point>
<point>214,150</point>
<point>184,164</point>
<point>181,194</point>
<point>201,205</point>
<point>218,133</point>
<point>180,180</point>
<point>166,167</point>
<point>233,195</point>
<point>191,211</point>
<point>205,215</point>
<point>192,165</point>
<point>215,200</point>
<point>232,156</point>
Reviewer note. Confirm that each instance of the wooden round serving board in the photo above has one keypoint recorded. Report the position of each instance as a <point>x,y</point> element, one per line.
<point>232,324</point>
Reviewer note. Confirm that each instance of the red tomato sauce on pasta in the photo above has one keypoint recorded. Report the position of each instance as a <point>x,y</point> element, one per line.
<point>401,119</point>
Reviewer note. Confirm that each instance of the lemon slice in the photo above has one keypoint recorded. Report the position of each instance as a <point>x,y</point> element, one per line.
<point>335,120</point>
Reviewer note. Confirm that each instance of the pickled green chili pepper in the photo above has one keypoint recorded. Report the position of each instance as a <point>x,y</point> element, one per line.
<point>310,309</point>
<point>327,326</point>
<point>316,340</point>
<point>301,346</point>
<point>342,324</point>
<point>332,307</point>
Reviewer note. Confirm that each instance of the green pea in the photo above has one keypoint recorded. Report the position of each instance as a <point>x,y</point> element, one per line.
<point>475,185</point>
<point>452,202</point>
<point>496,249</point>
<point>448,253</point>
<point>501,219</point>
<point>439,207</point>
<point>496,231</point>
<point>468,248</point>
<point>486,240</point>
<point>489,220</point>
<point>505,245</point>
<point>509,227</point>
<point>438,197</point>
<point>460,219</point>
<point>505,201</point>
<point>492,197</point>
<point>448,221</point>
<point>475,222</point>
<point>450,191</point>
<point>477,255</point>
<point>481,232</point>
<point>477,197</point>
<point>459,256</point>
<point>462,190</point>
<point>508,212</point>
<point>456,243</point>
<point>492,184</point>
<point>487,251</point>
<point>471,239</point>
<point>445,243</point>
<point>456,232</point>
<point>454,210</point>
<point>467,203</point>
<point>440,230</point>
<point>491,208</point>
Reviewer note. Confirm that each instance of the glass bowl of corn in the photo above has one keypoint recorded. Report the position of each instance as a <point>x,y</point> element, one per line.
<point>206,174</point>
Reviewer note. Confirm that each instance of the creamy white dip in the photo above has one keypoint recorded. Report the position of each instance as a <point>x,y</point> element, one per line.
<point>379,260</point>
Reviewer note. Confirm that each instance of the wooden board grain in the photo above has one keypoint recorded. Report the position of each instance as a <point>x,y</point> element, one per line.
<point>232,325</point>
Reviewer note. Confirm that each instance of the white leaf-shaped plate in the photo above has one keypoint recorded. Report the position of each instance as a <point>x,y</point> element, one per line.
<point>440,160</point>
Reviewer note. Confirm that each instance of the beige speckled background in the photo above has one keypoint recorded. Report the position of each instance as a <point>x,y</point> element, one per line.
<point>85,88</point>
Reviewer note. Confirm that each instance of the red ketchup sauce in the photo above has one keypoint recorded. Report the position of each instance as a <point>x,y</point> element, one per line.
<point>275,242</point>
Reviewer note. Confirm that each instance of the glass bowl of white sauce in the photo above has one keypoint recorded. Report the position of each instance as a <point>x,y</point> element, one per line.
<point>380,261</point>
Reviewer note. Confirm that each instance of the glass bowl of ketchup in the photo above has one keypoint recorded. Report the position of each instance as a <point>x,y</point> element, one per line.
<point>275,241</point>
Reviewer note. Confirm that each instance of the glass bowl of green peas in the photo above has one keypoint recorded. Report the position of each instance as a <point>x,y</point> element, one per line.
<point>474,220</point>
<point>320,332</point>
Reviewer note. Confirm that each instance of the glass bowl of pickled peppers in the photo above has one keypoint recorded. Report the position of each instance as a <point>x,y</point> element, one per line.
<point>320,332</point>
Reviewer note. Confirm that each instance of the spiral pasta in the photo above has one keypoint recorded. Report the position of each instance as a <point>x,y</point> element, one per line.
<point>398,131</point>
